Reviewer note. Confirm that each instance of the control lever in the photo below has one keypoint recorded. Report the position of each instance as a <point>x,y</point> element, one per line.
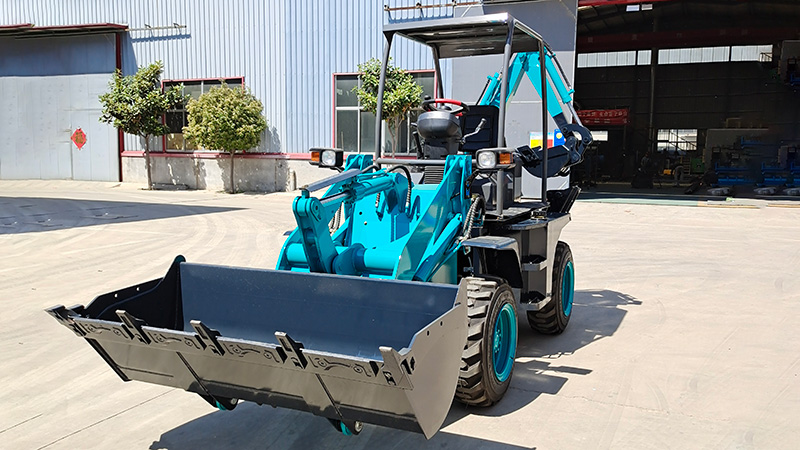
<point>477,130</point>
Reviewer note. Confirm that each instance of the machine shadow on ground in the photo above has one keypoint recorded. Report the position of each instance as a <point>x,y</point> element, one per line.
<point>253,426</point>
<point>597,314</point>
<point>30,214</point>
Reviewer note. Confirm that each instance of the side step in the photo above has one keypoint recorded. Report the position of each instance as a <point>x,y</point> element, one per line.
<point>535,265</point>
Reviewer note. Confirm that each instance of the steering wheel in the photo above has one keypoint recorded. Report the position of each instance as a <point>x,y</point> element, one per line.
<point>428,105</point>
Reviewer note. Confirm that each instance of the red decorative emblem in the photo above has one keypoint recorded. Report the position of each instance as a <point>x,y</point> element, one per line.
<point>79,138</point>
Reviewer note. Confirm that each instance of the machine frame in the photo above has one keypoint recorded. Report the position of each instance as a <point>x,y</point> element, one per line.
<point>519,238</point>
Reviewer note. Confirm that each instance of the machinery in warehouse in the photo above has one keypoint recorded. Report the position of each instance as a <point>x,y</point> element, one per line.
<point>400,287</point>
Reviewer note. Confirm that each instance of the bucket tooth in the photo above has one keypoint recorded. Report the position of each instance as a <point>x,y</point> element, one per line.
<point>134,326</point>
<point>292,349</point>
<point>208,336</point>
<point>392,368</point>
<point>66,316</point>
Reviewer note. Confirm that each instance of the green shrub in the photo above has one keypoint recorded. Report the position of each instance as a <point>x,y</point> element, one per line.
<point>226,119</point>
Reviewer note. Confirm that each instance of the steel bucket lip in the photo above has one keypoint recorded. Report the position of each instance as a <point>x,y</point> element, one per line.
<point>325,275</point>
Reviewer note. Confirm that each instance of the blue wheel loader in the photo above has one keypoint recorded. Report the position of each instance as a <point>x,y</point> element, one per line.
<point>399,289</point>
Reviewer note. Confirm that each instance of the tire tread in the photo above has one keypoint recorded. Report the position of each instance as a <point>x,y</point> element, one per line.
<point>472,389</point>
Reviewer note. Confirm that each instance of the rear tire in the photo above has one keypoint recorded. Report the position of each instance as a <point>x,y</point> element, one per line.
<point>554,317</point>
<point>488,359</point>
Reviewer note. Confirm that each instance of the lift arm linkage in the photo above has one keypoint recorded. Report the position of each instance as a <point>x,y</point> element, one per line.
<point>404,234</point>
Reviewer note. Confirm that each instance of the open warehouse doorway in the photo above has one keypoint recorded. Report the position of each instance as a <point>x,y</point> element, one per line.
<point>708,90</point>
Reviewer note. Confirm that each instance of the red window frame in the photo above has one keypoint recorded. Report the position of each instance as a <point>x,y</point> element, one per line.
<point>333,94</point>
<point>209,154</point>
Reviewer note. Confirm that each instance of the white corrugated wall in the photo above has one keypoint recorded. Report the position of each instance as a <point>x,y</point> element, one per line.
<point>287,50</point>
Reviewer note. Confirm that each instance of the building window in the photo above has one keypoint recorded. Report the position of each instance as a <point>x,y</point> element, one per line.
<point>677,140</point>
<point>694,55</point>
<point>599,136</point>
<point>643,57</point>
<point>677,56</point>
<point>354,129</point>
<point>713,54</point>
<point>607,59</point>
<point>177,118</point>
<point>750,52</point>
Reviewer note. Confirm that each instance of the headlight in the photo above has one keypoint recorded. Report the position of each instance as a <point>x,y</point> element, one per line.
<point>487,160</point>
<point>328,158</point>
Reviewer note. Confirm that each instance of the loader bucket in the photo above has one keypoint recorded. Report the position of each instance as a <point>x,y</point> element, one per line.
<point>347,348</point>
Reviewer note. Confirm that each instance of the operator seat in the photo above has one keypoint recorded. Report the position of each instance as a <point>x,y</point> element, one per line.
<point>442,133</point>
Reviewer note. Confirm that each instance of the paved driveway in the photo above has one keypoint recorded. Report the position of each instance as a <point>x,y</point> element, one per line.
<point>685,334</point>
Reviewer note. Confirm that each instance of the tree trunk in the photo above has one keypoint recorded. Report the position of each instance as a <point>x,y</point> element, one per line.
<point>393,133</point>
<point>147,161</point>
<point>233,187</point>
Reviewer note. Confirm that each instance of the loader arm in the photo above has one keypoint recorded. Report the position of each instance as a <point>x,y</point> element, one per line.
<point>387,231</point>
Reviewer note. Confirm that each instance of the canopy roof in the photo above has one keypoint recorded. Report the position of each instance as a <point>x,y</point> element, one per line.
<point>469,36</point>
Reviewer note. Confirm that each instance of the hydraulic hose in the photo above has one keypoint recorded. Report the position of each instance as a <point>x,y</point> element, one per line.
<point>477,202</point>
<point>408,192</point>
<point>336,221</point>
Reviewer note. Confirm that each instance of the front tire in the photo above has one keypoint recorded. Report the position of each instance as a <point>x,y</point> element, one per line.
<point>554,317</point>
<point>488,359</point>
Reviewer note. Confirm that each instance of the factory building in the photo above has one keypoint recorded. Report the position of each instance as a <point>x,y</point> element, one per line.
<point>693,85</point>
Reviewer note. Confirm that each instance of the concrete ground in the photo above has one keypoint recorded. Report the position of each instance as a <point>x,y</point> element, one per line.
<point>685,332</point>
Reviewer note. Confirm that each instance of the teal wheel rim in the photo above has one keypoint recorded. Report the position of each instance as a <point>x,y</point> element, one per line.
<point>504,342</point>
<point>567,288</point>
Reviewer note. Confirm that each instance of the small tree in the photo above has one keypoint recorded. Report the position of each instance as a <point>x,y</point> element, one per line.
<point>226,119</point>
<point>135,104</point>
<point>400,95</point>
